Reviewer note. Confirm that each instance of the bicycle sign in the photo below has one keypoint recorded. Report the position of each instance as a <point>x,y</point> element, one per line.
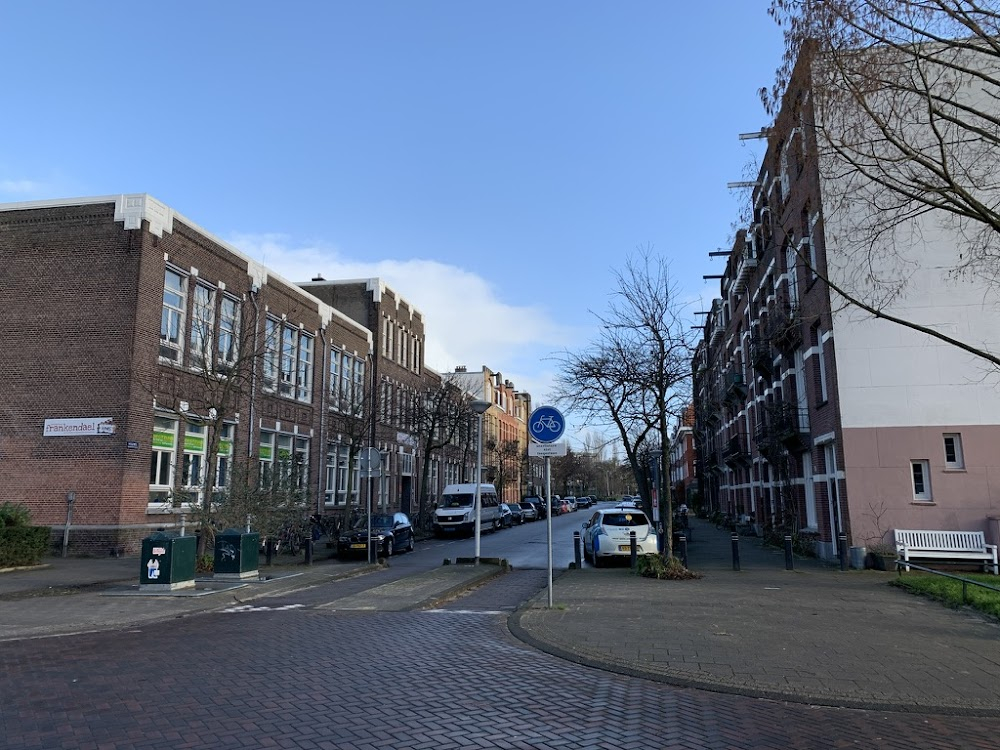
<point>546,424</point>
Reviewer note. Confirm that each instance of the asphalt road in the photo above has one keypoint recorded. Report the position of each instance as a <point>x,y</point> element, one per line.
<point>295,672</point>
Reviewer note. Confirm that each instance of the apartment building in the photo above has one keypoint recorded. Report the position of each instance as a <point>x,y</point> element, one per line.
<point>683,481</point>
<point>505,429</point>
<point>813,416</point>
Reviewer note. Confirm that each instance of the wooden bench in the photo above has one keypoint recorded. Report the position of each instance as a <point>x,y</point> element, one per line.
<point>957,546</point>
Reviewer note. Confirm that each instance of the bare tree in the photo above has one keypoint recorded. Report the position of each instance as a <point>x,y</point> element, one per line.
<point>441,418</point>
<point>901,97</point>
<point>637,374</point>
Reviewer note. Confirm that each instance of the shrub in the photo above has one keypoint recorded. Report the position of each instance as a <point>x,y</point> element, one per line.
<point>654,566</point>
<point>14,514</point>
<point>23,545</point>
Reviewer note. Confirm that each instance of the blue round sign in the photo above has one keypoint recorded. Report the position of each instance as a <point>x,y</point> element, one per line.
<point>546,424</point>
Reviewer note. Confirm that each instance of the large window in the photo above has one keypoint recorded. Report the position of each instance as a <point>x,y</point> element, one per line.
<point>172,319</point>
<point>225,456</point>
<point>161,464</point>
<point>288,360</point>
<point>229,332</point>
<point>193,462</point>
<point>284,461</point>
<point>342,479</point>
<point>202,326</point>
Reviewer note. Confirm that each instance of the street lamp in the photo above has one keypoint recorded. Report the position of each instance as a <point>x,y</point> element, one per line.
<point>479,407</point>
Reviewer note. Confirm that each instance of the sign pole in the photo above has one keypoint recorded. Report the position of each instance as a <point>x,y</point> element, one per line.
<point>548,518</point>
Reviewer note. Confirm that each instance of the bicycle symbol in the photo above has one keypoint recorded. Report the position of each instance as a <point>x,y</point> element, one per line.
<point>546,422</point>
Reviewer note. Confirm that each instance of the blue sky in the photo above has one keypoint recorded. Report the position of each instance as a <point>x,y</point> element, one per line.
<point>494,162</point>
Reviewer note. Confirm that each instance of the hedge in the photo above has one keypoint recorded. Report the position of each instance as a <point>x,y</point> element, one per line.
<point>23,545</point>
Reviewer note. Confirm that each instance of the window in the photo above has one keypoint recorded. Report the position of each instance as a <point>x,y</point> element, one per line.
<point>335,385</point>
<point>225,456</point>
<point>266,458</point>
<point>202,325</point>
<point>161,464</point>
<point>819,365</point>
<point>193,464</point>
<point>953,458</point>
<point>303,375</point>
<point>921,471</point>
<point>288,360</point>
<point>339,483</point>
<point>347,378</point>
<point>172,319</point>
<point>271,329</point>
<point>229,332</point>
<point>358,392</point>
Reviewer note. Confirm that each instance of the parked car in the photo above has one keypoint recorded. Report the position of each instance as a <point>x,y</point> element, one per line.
<point>607,534</point>
<point>506,516</point>
<point>517,515</point>
<point>584,501</point>
<point>530,510</point>
<point>557,507</point>
<point>390,532</point>
<point>539,504</point>
<point>571,502</point>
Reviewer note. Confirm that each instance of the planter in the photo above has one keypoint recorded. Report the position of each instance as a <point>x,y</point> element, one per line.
<point>880,561</point>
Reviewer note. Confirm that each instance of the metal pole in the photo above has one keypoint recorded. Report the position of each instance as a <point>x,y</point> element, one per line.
<point>789,565</point>
<point>479,481</point>
<point>548,518</point>
<point>576,550</point>
<point>736,550</point>
<point>633,553</point>
<point>70,499</point>
<point>309,550</point>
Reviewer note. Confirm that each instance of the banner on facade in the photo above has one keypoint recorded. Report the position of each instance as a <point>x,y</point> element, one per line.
<point>78,427</point>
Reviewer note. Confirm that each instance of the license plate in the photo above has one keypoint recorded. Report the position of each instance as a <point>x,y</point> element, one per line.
<point>624,547</point>
<point>359,546</point>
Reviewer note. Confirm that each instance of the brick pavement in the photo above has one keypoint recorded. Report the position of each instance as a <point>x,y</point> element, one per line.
<point>814,635</point>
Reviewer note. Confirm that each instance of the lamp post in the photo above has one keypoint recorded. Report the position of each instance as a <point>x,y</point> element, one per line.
<point>479,407</point>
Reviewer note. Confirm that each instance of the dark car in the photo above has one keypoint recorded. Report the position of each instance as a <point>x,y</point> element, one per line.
<point>390,532</point>
<point>516,513</point>
<point>506,516</point>
<point>583,501</point>
<point>539,504</point>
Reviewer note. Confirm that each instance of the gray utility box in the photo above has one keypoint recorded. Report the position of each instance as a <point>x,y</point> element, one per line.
<point>237,554</point>
<point>167,562</point>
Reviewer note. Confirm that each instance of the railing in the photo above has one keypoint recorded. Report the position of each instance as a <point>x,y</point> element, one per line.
<point>965,581</point>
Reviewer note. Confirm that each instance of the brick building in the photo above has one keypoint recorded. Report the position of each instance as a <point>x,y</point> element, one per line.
<point>145,355</point>
<point>814,417</point>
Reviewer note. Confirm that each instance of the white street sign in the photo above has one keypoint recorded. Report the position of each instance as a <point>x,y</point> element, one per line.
<point>546,450</point>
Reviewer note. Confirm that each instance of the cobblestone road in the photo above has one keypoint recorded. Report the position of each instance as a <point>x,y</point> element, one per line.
<point>290,673</point>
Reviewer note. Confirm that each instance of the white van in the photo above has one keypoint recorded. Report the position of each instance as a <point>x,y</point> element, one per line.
<point>456,513</point>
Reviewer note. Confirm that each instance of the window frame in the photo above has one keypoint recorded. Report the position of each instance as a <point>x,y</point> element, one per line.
<point>957,460</point>
<point>173,317</point>
<point>922,492</point>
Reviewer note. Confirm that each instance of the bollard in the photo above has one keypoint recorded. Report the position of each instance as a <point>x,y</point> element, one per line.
<point>268,550</point>
<point>576,549</point>
<point>736,551</point>
<point>842,543</point>
<point>308,546</point>
<point>788,552</point>
<point>633,556</point>
<point>682,544</point>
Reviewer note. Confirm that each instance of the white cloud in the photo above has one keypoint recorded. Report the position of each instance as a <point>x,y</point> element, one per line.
<point>466,321</point>
<point>21,187</point>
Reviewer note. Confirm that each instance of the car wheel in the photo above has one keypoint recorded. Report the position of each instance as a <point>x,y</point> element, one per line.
<point>388,547</point>
<point>409,547</point>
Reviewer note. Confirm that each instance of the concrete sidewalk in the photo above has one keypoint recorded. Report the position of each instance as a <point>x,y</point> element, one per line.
<point>813,635</point>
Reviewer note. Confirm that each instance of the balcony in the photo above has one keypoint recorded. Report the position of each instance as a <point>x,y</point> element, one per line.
<point>737,451</point>
<point>736,387</point>
<point>789,426</point>
<point>761,356</point>
<point>784,328</point>
<point>744,269</point>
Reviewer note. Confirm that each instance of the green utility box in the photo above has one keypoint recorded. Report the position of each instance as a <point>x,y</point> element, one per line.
<point>168,562</point>
<point>236,554</point>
